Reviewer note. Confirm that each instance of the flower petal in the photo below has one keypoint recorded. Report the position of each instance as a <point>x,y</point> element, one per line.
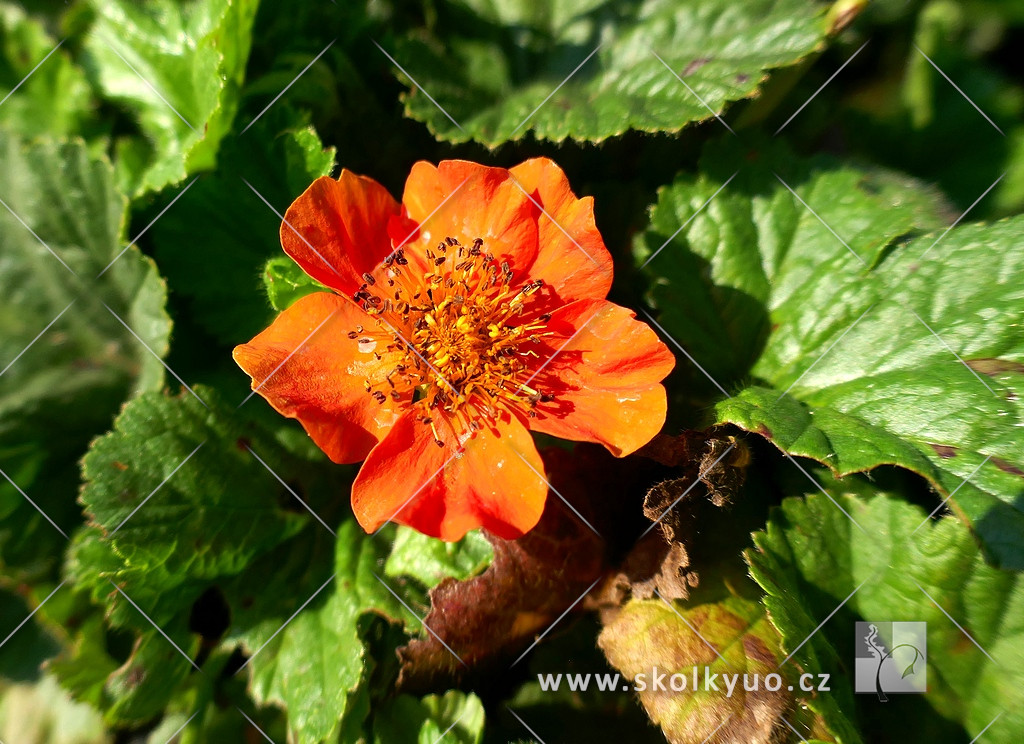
<point>604,369</point>
<point>307,368</point>
<point>338,229</point>
<point>408,479</point>
<point>465,200</point>
<point>572,258</point>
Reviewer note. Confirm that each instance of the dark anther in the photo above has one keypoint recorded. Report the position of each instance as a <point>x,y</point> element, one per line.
<point>368,278</point>
<point>439,260</point>
<point>352,334</point>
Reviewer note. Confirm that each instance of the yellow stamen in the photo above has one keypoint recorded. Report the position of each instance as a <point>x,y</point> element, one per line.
<point>461,318</point>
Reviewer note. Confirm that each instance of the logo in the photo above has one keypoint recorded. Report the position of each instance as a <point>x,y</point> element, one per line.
<point>891,658</point>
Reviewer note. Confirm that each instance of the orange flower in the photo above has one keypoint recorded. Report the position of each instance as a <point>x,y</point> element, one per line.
<point>465,317</point>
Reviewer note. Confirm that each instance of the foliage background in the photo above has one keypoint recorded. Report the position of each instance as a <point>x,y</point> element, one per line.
<point>153,535</point>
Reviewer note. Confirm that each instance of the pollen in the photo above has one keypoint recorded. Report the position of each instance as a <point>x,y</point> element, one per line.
<point>459,334</point>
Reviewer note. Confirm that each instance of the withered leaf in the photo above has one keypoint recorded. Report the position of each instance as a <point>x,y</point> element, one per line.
<point>710,469</point>
<point>652,637</point>
<point>489,620</point>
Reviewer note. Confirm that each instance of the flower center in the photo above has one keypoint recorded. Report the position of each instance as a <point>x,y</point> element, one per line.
<point>457,337</point>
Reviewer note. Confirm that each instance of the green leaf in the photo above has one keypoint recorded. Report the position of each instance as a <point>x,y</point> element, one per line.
<point>85,664</point>
<point>68,360</point>
<point>55,99</point>
<point>285,282</point>
<point>182,499</point>
<point>182,507</point>
<point>812,557</point>
<point>178,67</point>
<point>716,281</point>
<point>138,690</point>
<point>904,125</point>
<point>491,65</point>
<point>318,661</point>
<point>835,352</point>
<point>653,641</point>
<point>429,560</point>
<point>280,156</point>
<point>454,716</point>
